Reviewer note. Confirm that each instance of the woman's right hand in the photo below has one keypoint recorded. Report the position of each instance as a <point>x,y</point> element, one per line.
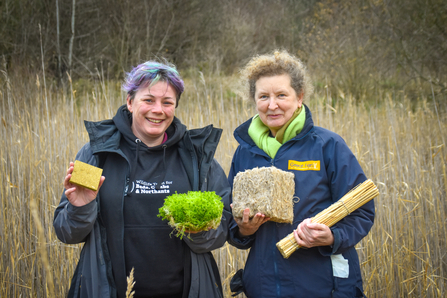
<point>77,195</point>
<point>249,226</point>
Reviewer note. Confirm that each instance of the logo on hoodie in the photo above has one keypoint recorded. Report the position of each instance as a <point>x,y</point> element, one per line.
<point>144,187</point>
<point>308,165</point>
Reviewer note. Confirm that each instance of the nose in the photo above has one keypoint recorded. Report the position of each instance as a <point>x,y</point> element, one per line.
<point>272,103</point>
<point>157,108</point>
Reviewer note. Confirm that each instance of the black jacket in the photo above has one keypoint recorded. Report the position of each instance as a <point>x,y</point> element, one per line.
<point>90,224</point>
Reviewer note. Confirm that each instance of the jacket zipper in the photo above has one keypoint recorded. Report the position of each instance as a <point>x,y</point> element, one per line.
<point>275,267</point>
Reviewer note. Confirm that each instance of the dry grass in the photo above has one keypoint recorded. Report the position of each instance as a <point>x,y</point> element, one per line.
<point>401,147</point>
<point>130,284</point>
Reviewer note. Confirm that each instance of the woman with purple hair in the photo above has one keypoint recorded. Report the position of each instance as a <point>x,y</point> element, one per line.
<point>146,153</point>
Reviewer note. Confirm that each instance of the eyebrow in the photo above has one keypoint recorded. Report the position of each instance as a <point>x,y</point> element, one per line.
<point>278,91</point>
<point>150,95</point>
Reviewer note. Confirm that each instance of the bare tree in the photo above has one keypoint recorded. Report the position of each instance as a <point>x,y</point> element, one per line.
<point>70,50</point>
<point>59,59</point>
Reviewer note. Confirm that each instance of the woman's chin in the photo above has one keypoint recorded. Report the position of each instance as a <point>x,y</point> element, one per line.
<point>153,134</point>
<point>274,126</point>
<point>275,123</point>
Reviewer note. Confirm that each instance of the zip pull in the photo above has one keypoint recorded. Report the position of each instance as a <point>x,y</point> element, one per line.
<point>126,187</point>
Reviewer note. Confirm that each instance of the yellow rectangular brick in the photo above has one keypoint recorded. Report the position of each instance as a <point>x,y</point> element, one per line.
<point>86,175</point>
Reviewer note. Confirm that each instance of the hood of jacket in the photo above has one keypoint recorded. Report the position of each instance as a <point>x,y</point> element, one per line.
<point>123,122</point>
<point>105,135</point>
<point>196,146</point>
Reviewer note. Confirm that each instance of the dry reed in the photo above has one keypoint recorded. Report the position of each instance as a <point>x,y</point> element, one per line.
<point>399,143</point>
<point>130,284</point>
<point>354,199</point>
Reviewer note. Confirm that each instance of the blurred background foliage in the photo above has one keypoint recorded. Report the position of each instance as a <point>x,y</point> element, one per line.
<point>350,46</point>
<point>379,70</point>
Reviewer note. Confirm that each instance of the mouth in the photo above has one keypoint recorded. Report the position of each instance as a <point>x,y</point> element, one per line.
<point>154,120</point>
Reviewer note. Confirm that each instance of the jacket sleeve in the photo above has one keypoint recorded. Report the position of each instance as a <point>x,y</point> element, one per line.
<point>206,241</point>
<point>73,224</point>
<point>233,239</point>
<point>345,172</point>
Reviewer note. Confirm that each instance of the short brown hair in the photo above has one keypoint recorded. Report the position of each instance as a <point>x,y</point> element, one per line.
<point>278,63</point>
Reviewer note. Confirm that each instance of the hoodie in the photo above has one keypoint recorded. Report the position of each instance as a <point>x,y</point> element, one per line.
<point>156,172</point>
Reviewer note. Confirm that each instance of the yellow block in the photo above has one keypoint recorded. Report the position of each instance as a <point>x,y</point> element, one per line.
<point>86,175</point>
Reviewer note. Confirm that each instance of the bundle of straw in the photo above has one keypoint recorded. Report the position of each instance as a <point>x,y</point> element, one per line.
<point>354,199</point>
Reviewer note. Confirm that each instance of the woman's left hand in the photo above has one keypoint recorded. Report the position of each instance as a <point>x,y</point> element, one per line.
<point>309,234</point>
<point>248,226</point>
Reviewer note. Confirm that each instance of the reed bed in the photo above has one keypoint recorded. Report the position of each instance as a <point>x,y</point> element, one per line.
<point>400,145</point>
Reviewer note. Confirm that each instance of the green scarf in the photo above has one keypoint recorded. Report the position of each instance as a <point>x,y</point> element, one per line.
<point>260,133</point>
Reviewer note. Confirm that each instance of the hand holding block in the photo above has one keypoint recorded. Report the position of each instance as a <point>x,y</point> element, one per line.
<point>86,175</point>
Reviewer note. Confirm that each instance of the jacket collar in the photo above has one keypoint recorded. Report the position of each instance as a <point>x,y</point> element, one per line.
<point>241,133</point>
<point>105,136</point>
<point>197,146</point>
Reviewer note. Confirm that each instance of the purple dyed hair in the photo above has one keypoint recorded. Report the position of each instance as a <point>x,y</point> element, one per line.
<point>149,73</point>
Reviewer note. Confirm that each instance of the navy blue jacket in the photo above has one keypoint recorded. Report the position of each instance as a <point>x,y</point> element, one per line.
<point>325,170</point>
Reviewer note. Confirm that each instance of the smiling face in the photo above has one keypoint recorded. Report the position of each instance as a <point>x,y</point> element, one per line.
<point>153,110</point>
<point>276,101</point>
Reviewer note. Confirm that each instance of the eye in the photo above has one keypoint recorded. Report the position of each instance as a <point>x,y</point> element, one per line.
<point>169,102</point>
<point>282,95</point>
<point>262,96</point>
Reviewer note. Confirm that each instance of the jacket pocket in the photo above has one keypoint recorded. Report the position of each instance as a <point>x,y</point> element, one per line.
<point>359,292</point>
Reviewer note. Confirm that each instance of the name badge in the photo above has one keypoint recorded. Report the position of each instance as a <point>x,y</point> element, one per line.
<point>308,165</point>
